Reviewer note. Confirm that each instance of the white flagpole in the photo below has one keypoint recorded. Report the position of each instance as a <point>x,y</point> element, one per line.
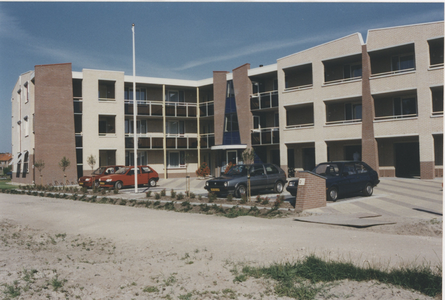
<point>135,110</point>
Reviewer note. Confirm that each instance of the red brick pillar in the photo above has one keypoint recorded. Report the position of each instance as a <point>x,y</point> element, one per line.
<point>311,191</point>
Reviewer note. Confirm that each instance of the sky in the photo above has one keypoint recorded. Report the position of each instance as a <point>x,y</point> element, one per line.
<point>180,40</point>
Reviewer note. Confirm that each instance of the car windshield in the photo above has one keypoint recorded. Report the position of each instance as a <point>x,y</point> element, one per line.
<point>239,170</point>
<point>122,170</point>
<point>327,170</point>
<point>98,171</point>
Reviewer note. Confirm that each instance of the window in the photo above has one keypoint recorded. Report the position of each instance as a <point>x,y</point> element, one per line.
<point>176,159</point>
<point>256,122</point>
<point>77,88</point>
<point>141,161</point>
<point>437,96</point>
<point>436,52</point>
<point>271,169</point>
<point>402,62</point>
<point>107,125</point>
<point>353,111</point>
<point>141,126</point>
<point>231,123</point>
<point>106,90</point>
<point>174,96</point>
<point>175,127</point>
<point>141,93</point>
<point>78,123</point>
<point>405,106</point>
<point>26,126</point>
<point>230,89</point>
<point>26,92</point>
<point>352,71</point>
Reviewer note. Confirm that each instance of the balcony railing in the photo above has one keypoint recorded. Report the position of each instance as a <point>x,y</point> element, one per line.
<point>264,100</point>
<point>344,80</point>
<point>343,122</point>
<point>295,126</point>
<point>265,136</point>
<point>298,87</point>
<point>154,108</point>
<point>172,142</point>
<point>180,109</point>
<point>207,140</point>
<point>389,73</point>
<point>206,109</point>
<point>395,117</point>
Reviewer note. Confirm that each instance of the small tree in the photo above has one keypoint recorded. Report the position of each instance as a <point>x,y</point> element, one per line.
<point>91,160</point>
<point>64,164</point>
<point>40,165</point>
<point>248,158</point>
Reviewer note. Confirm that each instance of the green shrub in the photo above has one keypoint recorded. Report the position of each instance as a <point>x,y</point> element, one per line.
<point>148,194</point>
<point>157,196</point>
<point>180,196</point>
<point>172,194</point>
<point>163,193</point>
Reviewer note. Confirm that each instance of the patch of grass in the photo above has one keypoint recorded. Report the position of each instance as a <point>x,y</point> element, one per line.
<point>56,283</point>
<point>12,291</point>
<point>150,289</point>
<point>4,184</point>
<point>298,280</point>
<point>235,211</point>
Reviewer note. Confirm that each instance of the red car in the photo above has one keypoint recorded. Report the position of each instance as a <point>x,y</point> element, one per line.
<point>125,177</point>
<point>87,181</point>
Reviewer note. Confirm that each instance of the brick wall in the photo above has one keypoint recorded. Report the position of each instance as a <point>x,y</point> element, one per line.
<point>54,122</point>
<point>312,194</point>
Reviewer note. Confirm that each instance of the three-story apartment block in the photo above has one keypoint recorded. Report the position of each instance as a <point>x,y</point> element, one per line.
<point>379,101</point>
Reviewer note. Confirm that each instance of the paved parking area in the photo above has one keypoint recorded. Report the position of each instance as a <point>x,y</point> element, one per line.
<point>393,197</point>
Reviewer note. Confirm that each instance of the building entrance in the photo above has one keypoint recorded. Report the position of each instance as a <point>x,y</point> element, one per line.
<point>407,160</point>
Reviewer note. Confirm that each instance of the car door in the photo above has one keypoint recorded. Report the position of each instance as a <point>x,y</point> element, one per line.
<point>273,174</point>
<point>363,175</point>
<point>258,177</point>
<point>144,176</point>
<point>353,180</point>
<point>129,177</point>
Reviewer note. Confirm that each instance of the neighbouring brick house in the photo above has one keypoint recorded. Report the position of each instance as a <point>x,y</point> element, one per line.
<point>5,159</point>
<point>381,100</point>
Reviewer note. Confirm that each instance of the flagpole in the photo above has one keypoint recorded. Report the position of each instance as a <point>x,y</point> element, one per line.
<point>135,108</point>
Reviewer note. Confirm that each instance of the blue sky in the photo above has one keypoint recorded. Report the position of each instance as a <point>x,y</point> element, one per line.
<point>187,40</point>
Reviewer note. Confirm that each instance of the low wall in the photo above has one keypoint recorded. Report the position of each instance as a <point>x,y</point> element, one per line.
<point>311,191</point>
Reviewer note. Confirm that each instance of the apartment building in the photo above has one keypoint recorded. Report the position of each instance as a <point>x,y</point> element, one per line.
<point>379,101</point>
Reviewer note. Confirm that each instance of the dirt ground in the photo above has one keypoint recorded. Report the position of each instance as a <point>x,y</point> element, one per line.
<point>65,249</point>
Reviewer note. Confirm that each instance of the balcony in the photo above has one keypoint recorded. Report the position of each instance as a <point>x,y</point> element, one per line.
<point>145,107</point>
<point>343,69</point>
<point>343,112</point>
<point>206,109</point>
<point>207,140</point>
<point>392,61</point>
<point>298,77</point>
<point>299,116</point>
<point>264,100</point>
<point>265,136</point>
<point>396,106</point>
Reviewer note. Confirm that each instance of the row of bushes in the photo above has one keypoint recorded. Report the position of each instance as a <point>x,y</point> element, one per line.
<point>183,206</point>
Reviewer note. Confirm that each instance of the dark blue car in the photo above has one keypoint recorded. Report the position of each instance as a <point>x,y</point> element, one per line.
<point>343,178</point>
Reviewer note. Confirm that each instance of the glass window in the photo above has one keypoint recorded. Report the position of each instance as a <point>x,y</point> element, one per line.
<point>402,62</point>
<point>361,168</point>
<point>271,169</point>
<point>107,124</point>
<point>173,159</point>
<point>106,89</point>
<point>405,106</point>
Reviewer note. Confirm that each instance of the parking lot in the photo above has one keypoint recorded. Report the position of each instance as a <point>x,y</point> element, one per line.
<point>393,197</point>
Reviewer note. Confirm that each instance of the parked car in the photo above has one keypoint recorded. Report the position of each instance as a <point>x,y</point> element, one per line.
<point>343,178</point>
<point>262,176</point>
<point>87,181</point>
<point>125,177</point>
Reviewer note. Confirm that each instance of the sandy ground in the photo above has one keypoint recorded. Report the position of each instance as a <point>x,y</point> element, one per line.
<point>64,249</point>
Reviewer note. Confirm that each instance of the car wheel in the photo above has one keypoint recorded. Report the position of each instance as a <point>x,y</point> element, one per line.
<point>278,188</point>
<point>332,194</point>
<point>118,185</point>
<point>368,190</point>
<point>240,191</point>
<point>152,182</point>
